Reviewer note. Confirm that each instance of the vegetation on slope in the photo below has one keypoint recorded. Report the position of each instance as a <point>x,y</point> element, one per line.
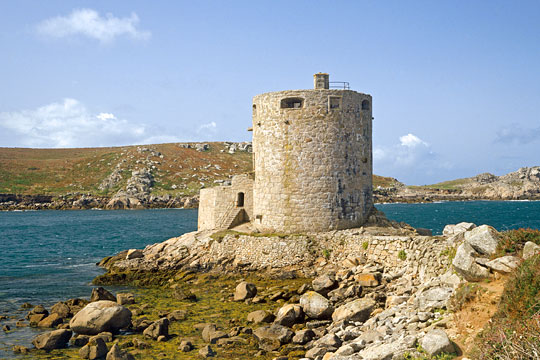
<point>180,171</point>
<point>514,330</point>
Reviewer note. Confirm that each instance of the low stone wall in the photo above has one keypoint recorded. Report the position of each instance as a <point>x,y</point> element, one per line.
<point>398,251</point>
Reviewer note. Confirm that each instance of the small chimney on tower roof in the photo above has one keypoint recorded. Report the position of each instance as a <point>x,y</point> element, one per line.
<point>321,81</point>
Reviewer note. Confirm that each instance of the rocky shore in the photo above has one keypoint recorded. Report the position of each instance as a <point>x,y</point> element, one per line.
<point>523,184</point>
<point>382,291</point>
<point>76,201</point>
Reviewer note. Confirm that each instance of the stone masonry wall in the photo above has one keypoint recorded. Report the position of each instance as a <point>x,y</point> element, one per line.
<point>313,164</point>
<point>217,202</point>
<point>422,257</point>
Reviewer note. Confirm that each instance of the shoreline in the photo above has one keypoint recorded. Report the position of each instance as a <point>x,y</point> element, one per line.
<point>191,202</point>
<point>388,270</point>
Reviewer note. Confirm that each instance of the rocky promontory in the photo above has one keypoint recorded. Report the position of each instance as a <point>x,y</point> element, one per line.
<point>523,184</point>
<point>381,291</point>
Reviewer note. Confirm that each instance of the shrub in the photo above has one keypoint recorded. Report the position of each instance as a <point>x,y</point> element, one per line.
<point>512,241</point>
<point>326,253</point>
<point>514,331</point>
<point>402,255</point>
<point>450,252</point>
<point>365,245</point>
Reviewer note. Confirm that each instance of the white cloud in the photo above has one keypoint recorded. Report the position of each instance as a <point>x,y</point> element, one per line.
<point>105,116</point>
<point>70,124</point>
<point>409,160</point>
<point>90,23</point>
<point>411,141</point>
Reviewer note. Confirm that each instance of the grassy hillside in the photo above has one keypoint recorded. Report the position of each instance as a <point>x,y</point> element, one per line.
<point>61,171</point>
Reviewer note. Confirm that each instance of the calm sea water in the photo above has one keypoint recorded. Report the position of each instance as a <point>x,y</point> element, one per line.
<point>502,215</point>
<point>48,256</point>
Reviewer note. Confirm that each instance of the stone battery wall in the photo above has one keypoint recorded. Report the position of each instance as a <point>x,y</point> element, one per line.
<point>217,204</point>
<point>312,159</point>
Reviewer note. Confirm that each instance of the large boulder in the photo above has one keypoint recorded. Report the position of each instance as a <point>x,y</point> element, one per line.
<point>289,314</point>
<point>356,310</point>
<point>244,291</point>
<point>273,336</point>
<point>211,334</point>
<point>450,230</point>
<point>324,283</point>
<point>504,264</point>
<point>95,349</point>
<point>530,249</point>
<point>38,310</point>
<point>118,354</point>
<point>260,316</point>
<point>316,306</point>
<point>483,239</point>
<point>51,321</point>
<point>465,264</point>
<point>434,298</point>
<point>101,294</point>
<point>303,336</point>
<point>125,298</point>
<point>157,328</point>
<point>436,342</point>
<point>387,351</point>
<point>55,339</point>
<point>62,309</point>
<point>100,316</point>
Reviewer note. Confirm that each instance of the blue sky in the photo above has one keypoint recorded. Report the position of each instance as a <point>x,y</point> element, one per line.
<point>455,84</point>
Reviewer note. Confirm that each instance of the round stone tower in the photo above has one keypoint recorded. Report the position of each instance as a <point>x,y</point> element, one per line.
<point>312,158</point>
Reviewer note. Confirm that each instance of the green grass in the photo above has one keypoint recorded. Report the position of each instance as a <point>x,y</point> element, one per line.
<point>512,241</point>
<point>514,330</point>
<point>448,185</point>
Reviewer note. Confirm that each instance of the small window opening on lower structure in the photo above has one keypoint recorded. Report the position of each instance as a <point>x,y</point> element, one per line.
<point>365,105</point>
<point>254,109</point>
<point>292,103</point>
<point>240,199</point>
<point>334,102</point>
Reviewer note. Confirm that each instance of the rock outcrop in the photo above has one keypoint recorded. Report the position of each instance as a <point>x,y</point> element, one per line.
<point>51,340</point>
<point>100,316</point>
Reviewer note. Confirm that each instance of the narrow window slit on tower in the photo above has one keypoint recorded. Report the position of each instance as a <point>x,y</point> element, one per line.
<point>292,103</point>
<point>365,105</point>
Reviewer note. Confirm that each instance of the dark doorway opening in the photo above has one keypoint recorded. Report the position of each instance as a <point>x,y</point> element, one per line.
<point>240,199</point>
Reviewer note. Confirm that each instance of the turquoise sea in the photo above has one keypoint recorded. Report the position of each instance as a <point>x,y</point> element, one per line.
<point>49,256</point>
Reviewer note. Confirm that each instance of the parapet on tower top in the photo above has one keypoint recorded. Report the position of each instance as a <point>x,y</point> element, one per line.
<point>321,81</point>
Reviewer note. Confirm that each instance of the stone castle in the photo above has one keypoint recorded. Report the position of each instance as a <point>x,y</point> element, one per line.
<point>312,155</point>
